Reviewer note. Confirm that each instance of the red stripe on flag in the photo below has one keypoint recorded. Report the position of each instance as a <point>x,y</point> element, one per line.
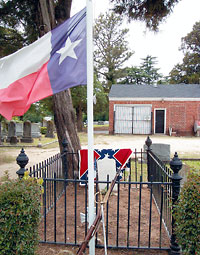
<point>16,99</point>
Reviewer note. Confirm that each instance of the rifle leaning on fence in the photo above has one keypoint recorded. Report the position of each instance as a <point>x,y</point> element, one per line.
<point>94,227</point>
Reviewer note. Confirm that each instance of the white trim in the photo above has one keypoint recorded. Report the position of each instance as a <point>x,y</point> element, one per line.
<point>131,105</point>
<point>152,99</point>
<point>164,109</point>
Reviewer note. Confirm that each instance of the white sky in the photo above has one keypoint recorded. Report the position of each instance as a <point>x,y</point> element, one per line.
<point>166,43</point>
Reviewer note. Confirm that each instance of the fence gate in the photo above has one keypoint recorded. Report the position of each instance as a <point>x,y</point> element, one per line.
<point>131,119</point>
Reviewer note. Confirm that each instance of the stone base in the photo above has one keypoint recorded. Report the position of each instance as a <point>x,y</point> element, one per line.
<point>13,140</point>
<point>26,140</point>
<point>7,139</point>
<point>50,135</point>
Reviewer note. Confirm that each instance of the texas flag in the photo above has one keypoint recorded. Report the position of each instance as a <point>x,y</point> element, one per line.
<point>55,62</point>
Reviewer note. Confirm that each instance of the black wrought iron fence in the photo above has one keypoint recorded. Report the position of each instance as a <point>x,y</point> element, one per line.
<point>131,217</point>
<point>138,215</point>
<point>158,172</point>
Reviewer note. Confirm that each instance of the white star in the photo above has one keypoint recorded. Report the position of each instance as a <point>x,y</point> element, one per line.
<point>68,50</point>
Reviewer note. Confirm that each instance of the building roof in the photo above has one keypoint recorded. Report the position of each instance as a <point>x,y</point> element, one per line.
<point>134,91</point>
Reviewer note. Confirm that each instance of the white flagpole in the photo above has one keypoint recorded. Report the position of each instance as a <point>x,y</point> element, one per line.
<point>90,119</point>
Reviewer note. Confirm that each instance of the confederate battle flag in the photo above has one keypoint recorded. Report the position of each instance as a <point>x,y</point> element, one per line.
<point>107,160</point>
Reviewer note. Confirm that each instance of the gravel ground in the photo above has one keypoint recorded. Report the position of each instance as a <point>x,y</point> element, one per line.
<point>185,146</point>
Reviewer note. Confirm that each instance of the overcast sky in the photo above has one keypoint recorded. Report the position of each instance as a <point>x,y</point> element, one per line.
<point>166,43</point>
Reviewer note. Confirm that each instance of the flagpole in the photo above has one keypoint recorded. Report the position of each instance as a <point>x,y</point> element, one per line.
<point>90,119</point>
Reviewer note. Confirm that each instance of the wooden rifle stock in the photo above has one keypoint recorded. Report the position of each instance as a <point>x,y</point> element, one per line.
<point>93,228</point>
<point>108,193</point>
<point>91,232</point>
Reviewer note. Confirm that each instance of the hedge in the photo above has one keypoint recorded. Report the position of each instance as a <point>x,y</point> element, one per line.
<point>19,216</point>
<point>187,216</point>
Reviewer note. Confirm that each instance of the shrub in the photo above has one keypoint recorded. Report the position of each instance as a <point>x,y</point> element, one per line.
<point>187,216</point>
<point>43,130</point>
<point>19,216</point>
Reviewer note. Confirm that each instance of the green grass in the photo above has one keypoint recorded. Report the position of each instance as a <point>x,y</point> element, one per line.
<point>101,126</point>
<point>137,169</point>
<point>193,165</point>
<point>43,140</point>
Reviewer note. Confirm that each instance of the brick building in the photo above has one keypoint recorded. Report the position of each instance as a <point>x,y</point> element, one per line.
<point>149,109</point>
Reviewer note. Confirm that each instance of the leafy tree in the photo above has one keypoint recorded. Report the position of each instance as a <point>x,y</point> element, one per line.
<point>133,75</point>
<point>35,18</point>
<point>39,110</point>
<point>151,74</point>
<point>10,41</point>
<point>79,97</point>
<point>146,73</point>
<point>111,48</point>
<point>189,70</point>
<point>152,12</point>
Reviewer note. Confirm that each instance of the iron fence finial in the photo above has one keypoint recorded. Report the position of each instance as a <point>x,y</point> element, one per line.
<point>22,160</point>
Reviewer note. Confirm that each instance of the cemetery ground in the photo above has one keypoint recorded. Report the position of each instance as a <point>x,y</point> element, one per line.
<point>188,147</point>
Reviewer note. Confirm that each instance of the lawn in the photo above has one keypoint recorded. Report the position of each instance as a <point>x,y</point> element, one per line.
<point>36,141</point>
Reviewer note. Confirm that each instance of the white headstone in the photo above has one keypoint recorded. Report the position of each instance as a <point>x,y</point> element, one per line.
<point>35,130</point>
<point>19,129</point>
<point>106,167</point>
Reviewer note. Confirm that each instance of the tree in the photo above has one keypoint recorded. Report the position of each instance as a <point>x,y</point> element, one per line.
<point>39,110</point>
<point>151,74</point>
<point>111,48</point>
<point>189,70</point>
<point>152,12</point>
<point>35,18</point>
<point>79,98</point>
<point>133,75</point>
<point>146,73</point>
<point>10,41</point>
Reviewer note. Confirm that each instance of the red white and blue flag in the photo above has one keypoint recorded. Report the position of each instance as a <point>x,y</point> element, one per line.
<point>55,62</point>
<point>120,156</point>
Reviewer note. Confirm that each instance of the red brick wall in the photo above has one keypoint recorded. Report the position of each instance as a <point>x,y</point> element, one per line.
<point>180,115</point>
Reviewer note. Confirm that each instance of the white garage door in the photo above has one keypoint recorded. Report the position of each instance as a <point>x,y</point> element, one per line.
<point>132,119</point>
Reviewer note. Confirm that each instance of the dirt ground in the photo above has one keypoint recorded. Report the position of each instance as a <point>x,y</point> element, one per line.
<point>134,222</point>
<point>49,249</point>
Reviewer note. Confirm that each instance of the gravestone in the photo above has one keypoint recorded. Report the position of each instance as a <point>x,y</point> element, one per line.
<point>106,167</point>
<point>27,132</point>
<point>4,130</point>
<point>13,140</point>
<point>184,173</point>
<point>11,131</point>
<point>19,129</point>
<point>35,130</point>
<point>50,129</point>
<point>161,150</point>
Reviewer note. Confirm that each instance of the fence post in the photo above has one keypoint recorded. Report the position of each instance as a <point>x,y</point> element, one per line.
<point>64,158</point>
<point>175,165</point>
<point>22,160</point>
<point>148,143</point>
